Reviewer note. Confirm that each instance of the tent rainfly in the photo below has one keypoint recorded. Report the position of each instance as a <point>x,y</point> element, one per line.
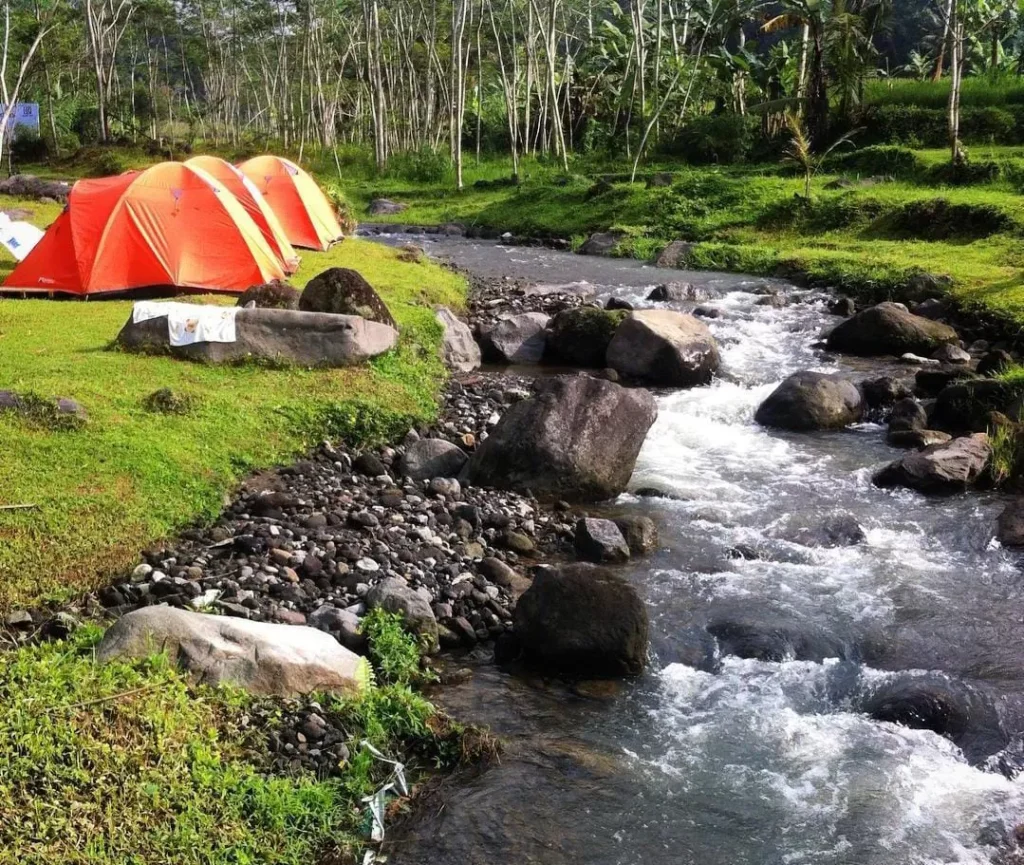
<point>254,203</point>
<point>171,225</point>
<point>300,205</point>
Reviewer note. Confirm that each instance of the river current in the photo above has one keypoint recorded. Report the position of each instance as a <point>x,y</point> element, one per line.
<point>755,736</point>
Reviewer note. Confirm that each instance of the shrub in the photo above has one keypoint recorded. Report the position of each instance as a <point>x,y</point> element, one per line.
<point>394,652</point>
<point>167,401</point>
<point>938,219</point>
<point>878,160</point>
<point>422,166</point>
<point>717,138</point>
<point>107,163</point>
<point>28,146</point>
<point>964,173</point>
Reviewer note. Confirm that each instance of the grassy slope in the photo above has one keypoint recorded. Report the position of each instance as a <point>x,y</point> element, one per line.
<point>131,476</point>
<point>868,240</point>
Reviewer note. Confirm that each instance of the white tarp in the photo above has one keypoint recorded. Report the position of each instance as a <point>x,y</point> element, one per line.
<point>18,238</point>
<point>188,322</point>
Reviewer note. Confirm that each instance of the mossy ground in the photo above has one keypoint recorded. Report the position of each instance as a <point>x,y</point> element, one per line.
<point>129,763</point>
<point>131,475</point>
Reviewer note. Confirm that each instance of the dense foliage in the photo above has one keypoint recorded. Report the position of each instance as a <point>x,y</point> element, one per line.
<point>709,80</point>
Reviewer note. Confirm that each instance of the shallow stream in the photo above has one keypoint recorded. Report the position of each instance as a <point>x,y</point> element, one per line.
<point>756,745</point>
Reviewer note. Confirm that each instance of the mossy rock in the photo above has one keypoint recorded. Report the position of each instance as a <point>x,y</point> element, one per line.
<point>270,295</point>
<point>342,291</point>
<point>966,407</point>
<point>580,337</point>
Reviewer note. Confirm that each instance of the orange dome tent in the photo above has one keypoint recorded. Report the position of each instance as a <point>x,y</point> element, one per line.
<point>304,211</point>
<point>170,225</point>
<point>254,203</point>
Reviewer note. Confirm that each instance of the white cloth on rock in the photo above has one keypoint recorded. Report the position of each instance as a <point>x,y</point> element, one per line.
<point>188,323</point>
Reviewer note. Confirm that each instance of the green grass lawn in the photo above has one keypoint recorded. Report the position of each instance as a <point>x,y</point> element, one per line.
<point>131,476</point>
<point>129,763</point>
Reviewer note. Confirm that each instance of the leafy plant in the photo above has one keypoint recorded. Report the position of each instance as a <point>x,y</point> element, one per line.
<point>801,152</point>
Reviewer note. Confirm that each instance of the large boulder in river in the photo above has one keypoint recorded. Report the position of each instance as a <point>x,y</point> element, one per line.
<point>343,291</point>
<point>965,406</point>
<point>889,329</point>
<point>580,336</point>
<point>602,243</point>
<point>576,439</point>
<point>516,339</point>
<point>459,349</point>
<point>582,620</point>
<point>262,658</point>
<point>940,469</point>
<point>277,335</point>
<point>600,541</point>
<point>812,401</point>
<point>665,348</point>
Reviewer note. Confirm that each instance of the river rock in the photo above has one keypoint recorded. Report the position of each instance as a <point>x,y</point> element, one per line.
<point>343,291</point>
<point>1010,528</point>
<point>580,337</point>
<point>602,243</point>
<point>516,339</point>
<point>934,308</point>
<point>883,391</point>
<point>844,306</point>
<point>665,348</point>
<point>459,349</point>
<point>930,382</point>
<point>343,625</point>
<point>582,620</point>
<point>674,255</point>
<point>677,292</point>
<point>965,406</point>
<point>995,362</point>
<point>908,414</point>
<point>576,439</point>
<point>385,207</point>
<point>262,658</point>
<point>395,596</point>
<point>640,532</point>
<point>433,458</point>
<point>812,401</point>
<point>600,541</point>
<point>916,439</point>
<point>950,353</point>
<point>836,530</point>
<point>614,303</point>
<point>889,329</point>
<point>940,469</point>
<point>277,335</point>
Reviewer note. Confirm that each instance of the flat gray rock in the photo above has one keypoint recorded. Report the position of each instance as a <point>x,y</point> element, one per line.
<point>313,339</point>
<point>262,658</point>
<point>518,338</point>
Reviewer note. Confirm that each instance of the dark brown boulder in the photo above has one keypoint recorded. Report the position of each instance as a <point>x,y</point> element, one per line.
<point>889,329</point>
<point>342,291</point>
<point>940,469</point>
<point>583,620</point>
<point>576,439</point>
<point>811,401</point>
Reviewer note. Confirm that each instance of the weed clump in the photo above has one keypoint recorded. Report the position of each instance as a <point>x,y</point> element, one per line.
<point>167,401</point>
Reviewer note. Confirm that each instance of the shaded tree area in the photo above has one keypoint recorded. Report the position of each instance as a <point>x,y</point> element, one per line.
<point>525,77</point>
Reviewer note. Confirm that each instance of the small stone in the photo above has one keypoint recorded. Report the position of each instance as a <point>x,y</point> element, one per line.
<point>518,543</point>
<point>367,566</point>
<point>289,617</point>
<point>600,541</point>
<point>141,572</point>
<point>447,487</point>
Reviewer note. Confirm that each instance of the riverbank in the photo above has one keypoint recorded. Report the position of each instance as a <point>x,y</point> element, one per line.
<point>131,475</point>
<point>883,225</point>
